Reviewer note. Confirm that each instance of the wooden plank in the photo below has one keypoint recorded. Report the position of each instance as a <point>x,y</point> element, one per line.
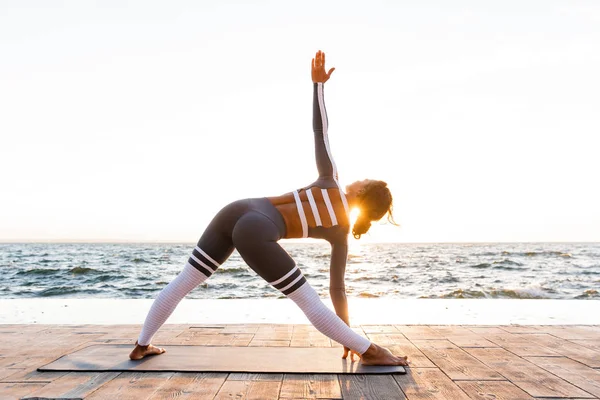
<point>309,339</point>
<point>419,332</point>
<point>251,328</point>
<point>234,339</point>
<point>429,384</point>
<point>573,332</point>
<point>578,374</point>
<point>310,386</point>
<point>486,330</point>
<point>249,390</point>
<point>471,341</point>
<point>461,336</point>
<point>370,387</point>
<point>245,376</point>
<point>26,371</point>
<point>521,345</point>
<point>593,344</point>
<point>401,346</point>
<point>584,355</point>
<point>379,329</point>
<point>269,343</point>
<point>131,385</point>
<point>497,390</point>
<point>186,385</point>
<point>73,385</point>
<point>15,391</point>
<point>529,377</point>
<point>522,329</point>
<point>456,362</point>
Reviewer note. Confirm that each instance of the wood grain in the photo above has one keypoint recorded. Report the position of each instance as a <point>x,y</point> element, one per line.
<point>429,384</point>
<point>455,362</point>
<point>73,385</point>
<point>529,377</point>
<point>310,386</point>
<point>185,385</point>
<point>370,387</point>
<point>578,374</point>
<point>497,390</point>
<point>131,386</point>
<point>566,348</point>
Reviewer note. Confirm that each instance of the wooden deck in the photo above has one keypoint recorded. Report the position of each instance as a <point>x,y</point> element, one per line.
<point>448,362</point>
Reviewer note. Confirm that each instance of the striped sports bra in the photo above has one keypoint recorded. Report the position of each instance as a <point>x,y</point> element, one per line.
<point>312,207</point>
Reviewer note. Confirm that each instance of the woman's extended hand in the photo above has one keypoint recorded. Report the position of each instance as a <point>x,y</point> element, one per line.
<point>318,68</point>
<point>352,353</point>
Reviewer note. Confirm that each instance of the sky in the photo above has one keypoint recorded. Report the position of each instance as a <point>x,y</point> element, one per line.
<point>139,120</point>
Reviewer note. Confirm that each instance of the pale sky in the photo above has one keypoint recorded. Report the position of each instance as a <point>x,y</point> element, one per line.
<point>139,120</point>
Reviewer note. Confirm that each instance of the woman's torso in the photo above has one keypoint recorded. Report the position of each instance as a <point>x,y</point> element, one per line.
<point>319,210</point>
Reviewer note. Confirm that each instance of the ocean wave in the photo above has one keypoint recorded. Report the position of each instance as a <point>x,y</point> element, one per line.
<point>589,294</point>
<point>506,261</point>
<point>367,295</point>
<point>232,270</point>
<point>544,253</point>
<point>561,271</point>
<point>59,291</point>
<point>82,271</point>
<point>46,261</point>
<point>449,279</point>
<point>529,293</point>
<point>105,278</point>
<point>39,271</point>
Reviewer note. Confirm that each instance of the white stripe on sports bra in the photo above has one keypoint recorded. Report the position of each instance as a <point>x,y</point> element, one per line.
<point>329,207</point>
<point>301,214</point>
<point>313,207</point>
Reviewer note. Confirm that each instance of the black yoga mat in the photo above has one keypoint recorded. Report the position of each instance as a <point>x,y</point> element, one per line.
<point>317,360</point>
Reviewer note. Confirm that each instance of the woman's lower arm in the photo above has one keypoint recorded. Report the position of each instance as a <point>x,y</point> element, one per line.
<point>340,304</point>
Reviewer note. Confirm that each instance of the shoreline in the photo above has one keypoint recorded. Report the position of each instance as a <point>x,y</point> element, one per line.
<point>283,311</point>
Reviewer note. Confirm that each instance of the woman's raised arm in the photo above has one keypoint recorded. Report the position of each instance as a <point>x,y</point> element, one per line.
<point>325,164</point>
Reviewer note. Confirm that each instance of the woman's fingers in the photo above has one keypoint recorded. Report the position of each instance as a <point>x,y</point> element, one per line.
<point>330,71</point>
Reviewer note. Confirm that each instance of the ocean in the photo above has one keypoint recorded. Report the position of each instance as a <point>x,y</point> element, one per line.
<point>391,270</point>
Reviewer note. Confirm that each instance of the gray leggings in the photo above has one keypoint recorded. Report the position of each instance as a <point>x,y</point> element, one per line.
<point>253,227</point>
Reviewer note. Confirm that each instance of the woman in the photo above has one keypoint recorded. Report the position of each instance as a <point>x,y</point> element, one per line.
<point>253,227</point>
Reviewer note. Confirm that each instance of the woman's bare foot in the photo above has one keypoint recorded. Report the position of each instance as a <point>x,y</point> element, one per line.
<point>377,355</point>
<point>142,351</point>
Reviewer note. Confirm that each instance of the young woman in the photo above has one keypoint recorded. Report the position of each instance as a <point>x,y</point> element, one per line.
<point>253,227</point>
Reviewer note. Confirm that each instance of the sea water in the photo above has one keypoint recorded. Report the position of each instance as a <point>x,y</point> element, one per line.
<point>390,271</point>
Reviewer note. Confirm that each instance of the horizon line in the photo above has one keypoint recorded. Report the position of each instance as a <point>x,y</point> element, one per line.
<point>295,241</point>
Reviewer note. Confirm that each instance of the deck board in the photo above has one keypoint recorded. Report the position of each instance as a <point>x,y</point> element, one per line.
<point>456,362</point>
<point>526,375</point>
<point>513,362</point>
<point>310,386</point>
<point>584,377</point>
<point>429,384</point>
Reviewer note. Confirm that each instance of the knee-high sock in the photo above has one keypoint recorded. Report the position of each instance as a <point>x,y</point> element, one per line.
<point>326,321</point>
<point>167,300</point>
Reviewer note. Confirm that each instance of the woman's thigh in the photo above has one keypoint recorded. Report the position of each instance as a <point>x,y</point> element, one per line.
<point>255,238</point>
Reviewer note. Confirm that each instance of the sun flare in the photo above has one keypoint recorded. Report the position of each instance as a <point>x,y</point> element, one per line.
<point>354,213</point>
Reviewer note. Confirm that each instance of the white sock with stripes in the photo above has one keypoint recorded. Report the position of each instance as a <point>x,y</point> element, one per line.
<point>326,321</point>
<point>168,299</point>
